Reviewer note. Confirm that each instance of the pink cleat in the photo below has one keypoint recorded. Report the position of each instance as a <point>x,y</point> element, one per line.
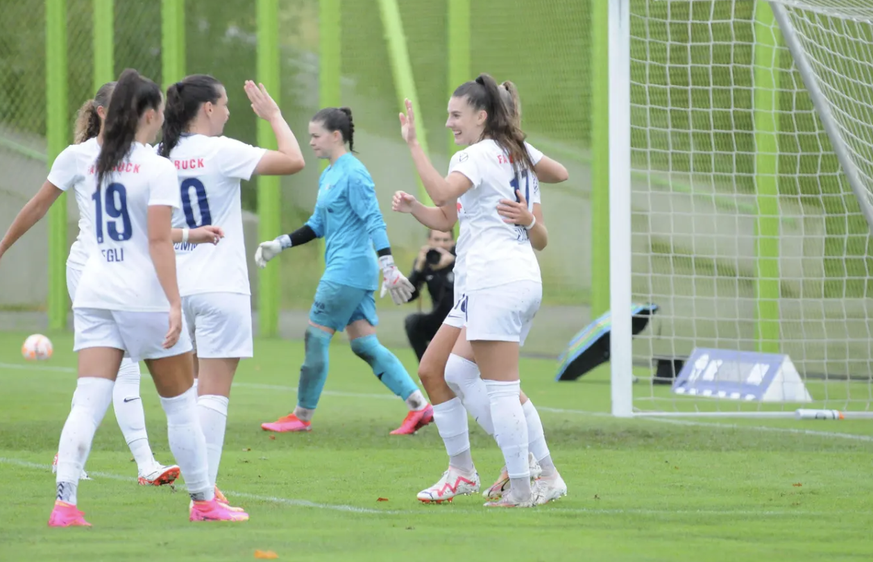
<point>222,499</point>
<point>66,515</point>
<point>414,421</point>
<point>287,424</point>
<point>214,511</point>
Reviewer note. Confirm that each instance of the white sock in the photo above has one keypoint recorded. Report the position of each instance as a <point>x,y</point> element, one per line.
<point>212,410</point>
<point>464,375</point>
<point>416,401</point>
<point>451,421</point>
<point>510,430</point>
<point>188,444</point>
<point>130,416</point>
<point>90,402</point>
<point>303,414</point>
<point>537,439</point>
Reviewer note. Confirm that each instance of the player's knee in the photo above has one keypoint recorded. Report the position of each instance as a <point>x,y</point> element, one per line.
<point>459,371</point>
<point>316,343</point>
<point>367,348</point>
<point>429,371</point>
<point>129,371</point>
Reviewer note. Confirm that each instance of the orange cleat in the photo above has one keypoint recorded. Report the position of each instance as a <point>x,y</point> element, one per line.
<point>414,421</point>
<point>287,424</point>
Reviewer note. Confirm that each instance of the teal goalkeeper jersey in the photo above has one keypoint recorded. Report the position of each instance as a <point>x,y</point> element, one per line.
<point>347,216</point>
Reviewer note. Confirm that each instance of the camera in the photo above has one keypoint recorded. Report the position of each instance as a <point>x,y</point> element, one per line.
<point>432,257</point>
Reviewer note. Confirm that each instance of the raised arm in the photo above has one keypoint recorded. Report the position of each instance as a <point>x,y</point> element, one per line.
<point>442,191</point>
<point>288,159</point>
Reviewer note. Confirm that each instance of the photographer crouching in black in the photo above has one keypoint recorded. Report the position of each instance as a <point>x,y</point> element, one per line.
<point>434,266</point>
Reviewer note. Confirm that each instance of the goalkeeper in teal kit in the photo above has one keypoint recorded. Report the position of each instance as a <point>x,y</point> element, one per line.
<point>347,216</point>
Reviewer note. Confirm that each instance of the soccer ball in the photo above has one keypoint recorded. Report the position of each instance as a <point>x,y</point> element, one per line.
<point>37,348</point>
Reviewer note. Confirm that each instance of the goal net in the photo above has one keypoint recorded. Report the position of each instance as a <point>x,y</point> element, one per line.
<point>752,194</point>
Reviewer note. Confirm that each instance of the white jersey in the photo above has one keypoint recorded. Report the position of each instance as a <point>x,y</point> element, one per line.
<point>210,169</point>
<point>70,171</point>
<point>119,274</point>
<point>486,165</point>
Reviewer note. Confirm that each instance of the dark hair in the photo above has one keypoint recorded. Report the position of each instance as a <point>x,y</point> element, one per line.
<point>88,120</point>
<point>509,95</point>
<point>338,119</point>
<point>134,94</point>
<point>500,126</point>
<point>184,100</point>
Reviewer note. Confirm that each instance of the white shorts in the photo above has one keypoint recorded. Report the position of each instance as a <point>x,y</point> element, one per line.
<point>73,276</point>
<point>457,316</point>
<point>219,324</point>
<point>139,334</point>
<point>503,313</point>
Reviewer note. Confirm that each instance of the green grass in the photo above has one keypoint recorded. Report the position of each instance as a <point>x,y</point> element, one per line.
<point>640,490</point>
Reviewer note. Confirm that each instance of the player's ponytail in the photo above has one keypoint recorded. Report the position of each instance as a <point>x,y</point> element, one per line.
<point>88,120</point>
<point>500,125</point>
<point>509,96</point>
<point>184,100</point>
<point>338,119</point>
<point>132,97</point>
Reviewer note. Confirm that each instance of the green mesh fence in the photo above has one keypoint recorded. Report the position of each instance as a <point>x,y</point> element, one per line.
<point>547,57</point>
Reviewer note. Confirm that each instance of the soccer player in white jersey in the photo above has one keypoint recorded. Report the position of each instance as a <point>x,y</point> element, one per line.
<point>69,172</point>
<point>214,280</point>
<point>503,282</point>
<point>128,302</point>
<point>448,370</point>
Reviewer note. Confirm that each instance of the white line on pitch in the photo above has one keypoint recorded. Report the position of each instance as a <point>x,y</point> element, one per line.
<point>764,428</point>
<point>441,509</point>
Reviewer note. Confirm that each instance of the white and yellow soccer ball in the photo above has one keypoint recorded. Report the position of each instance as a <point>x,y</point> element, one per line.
<point>37,348</point>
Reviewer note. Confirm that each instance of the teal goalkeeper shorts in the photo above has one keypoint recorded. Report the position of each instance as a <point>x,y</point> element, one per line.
<point>336,306</point>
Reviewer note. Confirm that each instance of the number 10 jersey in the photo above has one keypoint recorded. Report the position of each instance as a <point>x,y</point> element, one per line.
<point>210,170</point>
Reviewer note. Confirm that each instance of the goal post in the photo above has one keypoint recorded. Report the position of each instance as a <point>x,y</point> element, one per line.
<point>741,203</point>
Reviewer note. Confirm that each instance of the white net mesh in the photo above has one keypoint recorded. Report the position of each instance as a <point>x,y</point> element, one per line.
<point>746,230</point>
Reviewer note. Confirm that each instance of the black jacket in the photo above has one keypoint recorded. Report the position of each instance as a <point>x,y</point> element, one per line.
<point>440,285</point>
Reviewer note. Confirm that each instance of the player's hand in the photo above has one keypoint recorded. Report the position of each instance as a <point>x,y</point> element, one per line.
<point>262,104</point>
<point>267,251</point>
<point>175,330</point>
<point>515,211</point>
<point>394,282</point>
<point>403,202</point>
<point>407,124</point>
<point>207,234</point>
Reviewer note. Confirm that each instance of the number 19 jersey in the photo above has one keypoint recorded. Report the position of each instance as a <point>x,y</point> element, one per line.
<point>120,274</point>
<point>210,170</point>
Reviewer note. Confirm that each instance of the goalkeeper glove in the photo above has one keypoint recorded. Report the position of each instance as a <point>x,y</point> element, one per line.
<point>270,249</point>
<point>394,282</point>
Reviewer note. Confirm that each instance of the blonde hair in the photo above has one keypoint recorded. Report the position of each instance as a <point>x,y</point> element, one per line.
<point>509,96</point>
<point>88,120</point>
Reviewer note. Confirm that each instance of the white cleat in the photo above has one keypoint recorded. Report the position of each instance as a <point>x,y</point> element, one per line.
<point>453,483</point>
<point>508,500</point>
<point>501,485</point>
<point>83,476</point>
<point>160,476</point>
<point>550,488</point>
